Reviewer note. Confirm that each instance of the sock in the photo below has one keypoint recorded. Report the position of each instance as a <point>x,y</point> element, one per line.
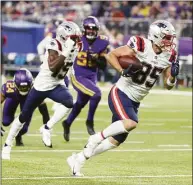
<point>59,113</point>
<point>103,146</point>
<point>44,112</point>
<point>114,129</point>
<point>14,130</point>
<point>92,107</point>
<point>81,157</point>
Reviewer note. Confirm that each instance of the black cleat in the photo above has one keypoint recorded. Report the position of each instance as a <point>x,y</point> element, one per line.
<point>2,131</point>
<point>19,141</point>
<point>66,133</point>
<point>90,127</point>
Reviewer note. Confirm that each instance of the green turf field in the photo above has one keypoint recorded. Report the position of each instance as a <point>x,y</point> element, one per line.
<point>157,152</point>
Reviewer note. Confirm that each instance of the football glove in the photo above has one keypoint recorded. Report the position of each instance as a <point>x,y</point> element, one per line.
<point>175,68</point>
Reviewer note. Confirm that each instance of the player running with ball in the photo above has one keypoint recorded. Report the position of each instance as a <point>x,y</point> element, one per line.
<point>157,56</point>
<point>59,57</point>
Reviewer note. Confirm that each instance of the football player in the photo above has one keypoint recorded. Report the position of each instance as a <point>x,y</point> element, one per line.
<point>13,93</point>
<point>158,56</point>
<point>59,56</point>
<point>84,74</point>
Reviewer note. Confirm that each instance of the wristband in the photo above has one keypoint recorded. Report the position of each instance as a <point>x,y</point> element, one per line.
<point>170,83</point>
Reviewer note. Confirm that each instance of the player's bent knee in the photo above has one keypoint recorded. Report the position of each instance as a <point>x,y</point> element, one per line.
<point>68,103</point>
<point>129,124</point>
<point>6,122</point>
<point>97,96</point>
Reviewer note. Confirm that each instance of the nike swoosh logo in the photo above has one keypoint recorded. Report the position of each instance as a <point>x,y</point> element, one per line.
<point>73,171</point>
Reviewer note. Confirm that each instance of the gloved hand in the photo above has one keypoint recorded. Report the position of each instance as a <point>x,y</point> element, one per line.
<point>175,68</point>
<point>131,70</point>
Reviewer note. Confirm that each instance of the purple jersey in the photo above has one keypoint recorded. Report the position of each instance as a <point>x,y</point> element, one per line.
<point>83,66</point>
<point>9,90</point>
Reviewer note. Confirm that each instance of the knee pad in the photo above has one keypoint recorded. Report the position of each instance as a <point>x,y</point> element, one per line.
<point>7,122</point>
<point>68,103</point>
<point>121,137</point>
<point>22,118</point>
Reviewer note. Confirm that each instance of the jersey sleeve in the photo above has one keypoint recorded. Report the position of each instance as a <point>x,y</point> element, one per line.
<point>137,44</point>
<point>54,44</point>
<point>106,42</point>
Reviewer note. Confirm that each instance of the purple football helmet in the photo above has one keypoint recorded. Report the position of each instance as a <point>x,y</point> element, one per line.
<point>23,80</point>
<point>91,27</point>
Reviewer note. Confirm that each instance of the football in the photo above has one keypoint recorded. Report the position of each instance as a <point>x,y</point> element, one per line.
<point>124,61</point>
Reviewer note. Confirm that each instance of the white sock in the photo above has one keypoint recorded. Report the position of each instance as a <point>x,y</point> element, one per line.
<point>81,157</point>
<point>59,113</point>
<point>114,129</point>
<point>103,146</point>
<point>16,126</point>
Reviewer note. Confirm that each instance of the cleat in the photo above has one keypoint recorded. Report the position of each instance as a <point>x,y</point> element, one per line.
<point>90,127</point>
<point>46,136</point>
<point>19,141</point>
<point>93,142</point>
<point>2,131</point>
<point>66,133</point>
<point>6,152</point>
<point>75,165</point>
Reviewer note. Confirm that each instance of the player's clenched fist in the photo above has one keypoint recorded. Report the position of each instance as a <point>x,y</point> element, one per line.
<point>175,68</point>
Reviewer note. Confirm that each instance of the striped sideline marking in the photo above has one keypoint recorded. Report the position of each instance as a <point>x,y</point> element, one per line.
<point>128,150</point>
<point>95,177</point>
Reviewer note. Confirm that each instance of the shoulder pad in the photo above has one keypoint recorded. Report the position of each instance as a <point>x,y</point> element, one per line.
<point>137,43</point>
<point>54,45</point>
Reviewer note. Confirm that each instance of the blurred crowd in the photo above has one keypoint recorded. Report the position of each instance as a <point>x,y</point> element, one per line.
<point>119,19</point>
<point>117,9</point>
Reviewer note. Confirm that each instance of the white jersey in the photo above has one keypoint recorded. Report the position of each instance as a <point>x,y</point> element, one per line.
<point>46,79</point>
<point>138,86</point>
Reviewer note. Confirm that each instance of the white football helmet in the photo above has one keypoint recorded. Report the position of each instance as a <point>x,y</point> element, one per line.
<point>67,29</point>
<point>163,34</point>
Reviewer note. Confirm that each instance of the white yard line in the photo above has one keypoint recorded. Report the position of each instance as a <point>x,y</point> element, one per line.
<point>128,150</point>
<point>134,132</point>
<point>96,177</point>
<point>171,145</point>
<point>185,126</point>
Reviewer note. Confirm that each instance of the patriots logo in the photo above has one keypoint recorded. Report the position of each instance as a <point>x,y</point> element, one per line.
<point>131,44</point>
<point>161,25</point>
<point>52,43</point>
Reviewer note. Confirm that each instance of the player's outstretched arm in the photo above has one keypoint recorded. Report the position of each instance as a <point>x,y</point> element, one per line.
<point>112,57</point>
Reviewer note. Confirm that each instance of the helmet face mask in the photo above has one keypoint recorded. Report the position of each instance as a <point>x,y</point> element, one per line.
<point>91,27</point>
<point>162,34</point>
<point>23,81</point>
